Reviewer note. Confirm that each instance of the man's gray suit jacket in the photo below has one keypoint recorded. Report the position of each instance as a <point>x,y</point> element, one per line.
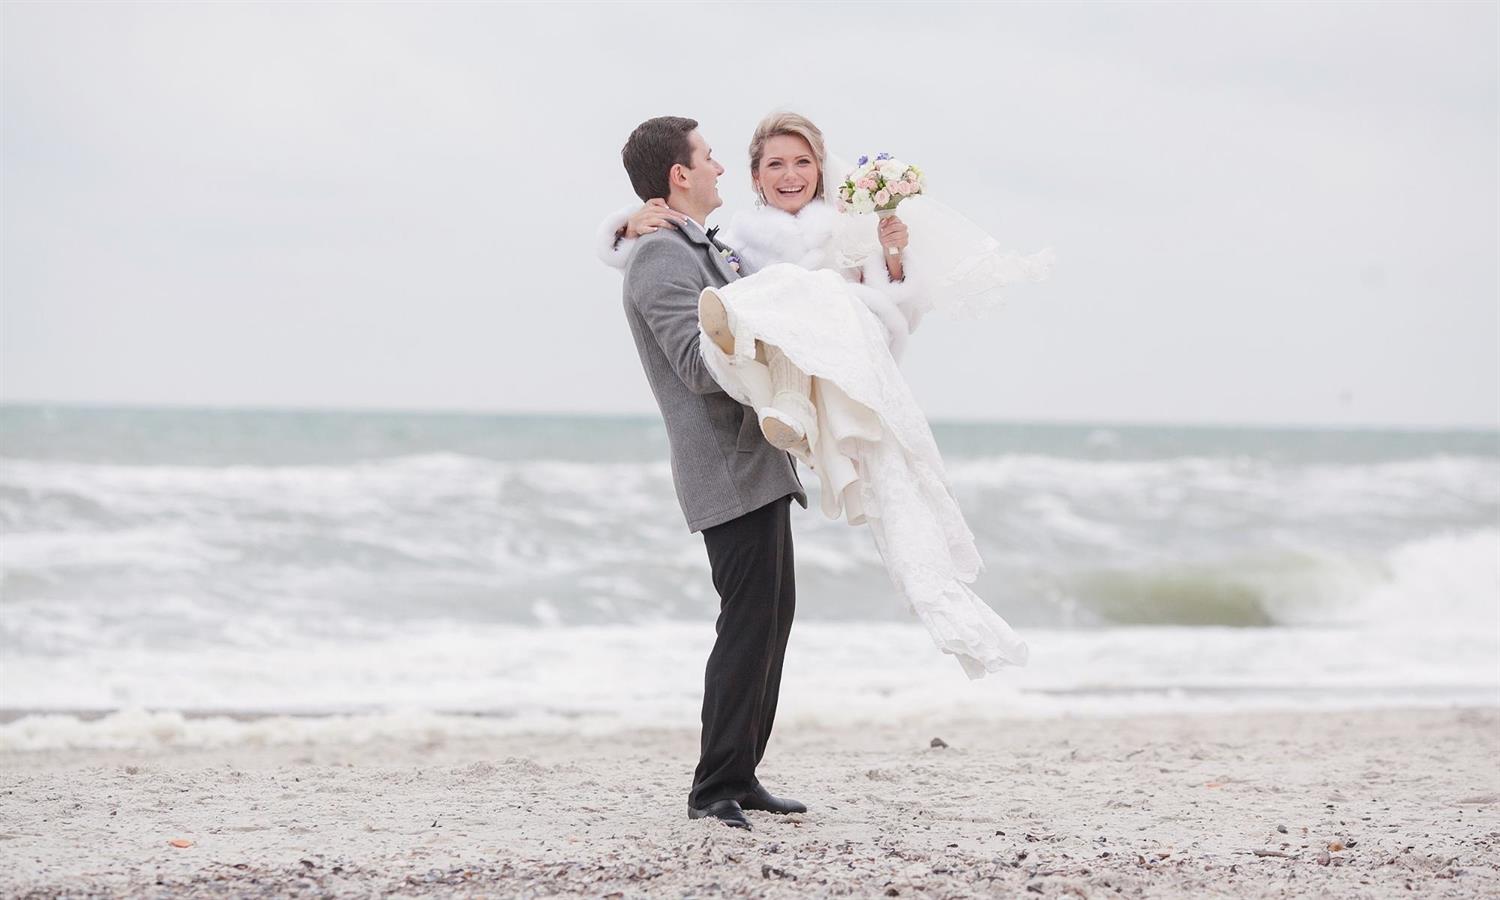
<point>722,466</point>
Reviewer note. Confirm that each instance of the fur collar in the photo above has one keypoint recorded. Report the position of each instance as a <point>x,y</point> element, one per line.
<point>766,235</point>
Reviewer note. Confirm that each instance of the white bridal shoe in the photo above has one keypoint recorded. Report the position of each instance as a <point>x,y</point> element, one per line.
<point>714,320</point>
<point>781,430</point>
<point>787,424</point>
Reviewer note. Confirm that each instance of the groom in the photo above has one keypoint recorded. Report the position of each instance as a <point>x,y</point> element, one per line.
<point>734,487</point>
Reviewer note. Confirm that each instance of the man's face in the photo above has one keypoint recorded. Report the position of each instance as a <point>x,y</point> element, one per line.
<point>703,177</point>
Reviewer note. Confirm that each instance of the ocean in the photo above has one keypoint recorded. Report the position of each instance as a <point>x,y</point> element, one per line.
<point>200,576</point>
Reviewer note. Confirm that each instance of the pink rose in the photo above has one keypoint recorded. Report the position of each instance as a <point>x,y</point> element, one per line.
<point>882,197</point>
<point>901,187</point>
<point>867,184</point>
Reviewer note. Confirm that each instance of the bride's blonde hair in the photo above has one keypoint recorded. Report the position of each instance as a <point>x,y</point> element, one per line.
<point>778,124</point>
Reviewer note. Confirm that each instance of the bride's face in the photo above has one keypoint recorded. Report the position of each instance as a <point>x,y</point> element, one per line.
<point>788,173</point>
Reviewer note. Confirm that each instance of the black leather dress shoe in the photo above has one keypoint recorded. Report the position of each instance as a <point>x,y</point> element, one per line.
<point>761,799</point>
<point>726,811</point>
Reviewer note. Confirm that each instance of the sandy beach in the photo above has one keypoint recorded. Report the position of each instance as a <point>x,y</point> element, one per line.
<point>1354,804</point>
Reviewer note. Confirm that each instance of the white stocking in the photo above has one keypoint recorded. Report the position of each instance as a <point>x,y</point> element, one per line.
<point>791,389</point>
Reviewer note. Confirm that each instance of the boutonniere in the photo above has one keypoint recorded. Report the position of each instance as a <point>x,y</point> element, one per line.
<point>730,259</point>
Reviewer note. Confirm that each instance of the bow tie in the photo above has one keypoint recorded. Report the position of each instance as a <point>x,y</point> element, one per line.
<point>712,232</point>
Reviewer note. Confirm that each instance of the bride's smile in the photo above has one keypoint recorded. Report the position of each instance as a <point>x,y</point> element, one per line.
<point>788,177</point>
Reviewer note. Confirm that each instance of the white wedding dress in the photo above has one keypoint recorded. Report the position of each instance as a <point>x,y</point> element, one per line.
<point>874,453</point>
<point>872,449</point>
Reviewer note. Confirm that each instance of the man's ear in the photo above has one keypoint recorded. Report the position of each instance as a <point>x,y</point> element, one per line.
<point>677,177</point>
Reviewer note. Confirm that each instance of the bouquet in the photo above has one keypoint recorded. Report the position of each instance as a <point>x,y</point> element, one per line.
<point>880,184</point>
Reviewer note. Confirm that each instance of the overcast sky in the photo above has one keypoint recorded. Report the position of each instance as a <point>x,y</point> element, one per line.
<point>1279,213</point>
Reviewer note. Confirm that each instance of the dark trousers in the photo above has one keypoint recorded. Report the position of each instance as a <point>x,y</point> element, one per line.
<point>751,559</point>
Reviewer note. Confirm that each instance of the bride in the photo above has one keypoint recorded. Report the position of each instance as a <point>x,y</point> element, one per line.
<point>810,340</point>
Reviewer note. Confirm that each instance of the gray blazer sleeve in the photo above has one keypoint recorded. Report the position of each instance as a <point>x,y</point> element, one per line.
<point>663,281</point>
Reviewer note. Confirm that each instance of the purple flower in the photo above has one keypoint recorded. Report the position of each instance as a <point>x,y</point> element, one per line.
<point>880,156</point>
<point>863,160</point>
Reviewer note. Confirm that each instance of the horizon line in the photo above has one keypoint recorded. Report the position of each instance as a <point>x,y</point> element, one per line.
<point>535,414</point>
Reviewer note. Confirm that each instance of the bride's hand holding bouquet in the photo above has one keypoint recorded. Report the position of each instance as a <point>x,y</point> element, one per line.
<point>878,186</point>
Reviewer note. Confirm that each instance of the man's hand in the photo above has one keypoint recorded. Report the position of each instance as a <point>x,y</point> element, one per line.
<point>654,216</point>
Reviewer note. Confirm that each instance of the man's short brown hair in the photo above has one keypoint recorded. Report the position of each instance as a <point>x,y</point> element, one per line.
<point>653,149</point>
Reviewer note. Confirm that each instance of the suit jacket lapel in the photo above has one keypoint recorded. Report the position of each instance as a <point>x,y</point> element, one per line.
<point>696,235</point>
